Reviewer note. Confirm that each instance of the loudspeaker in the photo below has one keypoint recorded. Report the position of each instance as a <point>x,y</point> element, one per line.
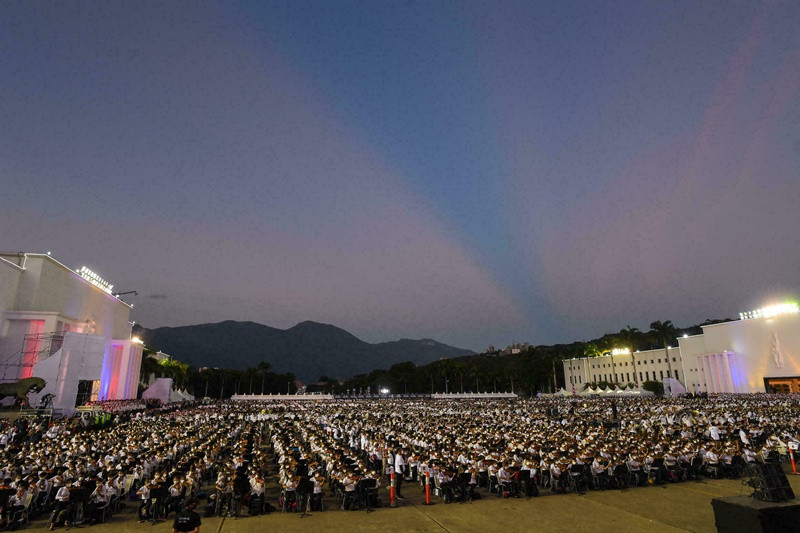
<point>742,514</point>
<point>769,482</point>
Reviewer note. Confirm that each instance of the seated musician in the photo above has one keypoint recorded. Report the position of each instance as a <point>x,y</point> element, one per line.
<point>600,471</point>
<point>16,502</point>
<point>62,509</point>
<point>726,462</point>
<point>671,464</point>
<point>712,462</point>
<point>175,496</point>
<point>257,488</point>
<point>749,455</point>
<point>445,483</point>
<point>97,499</point>
<point>634,463</point>
<point>504,479</point>
<point>556,471</point>
<point>653,470</point>
<point>349,483</point>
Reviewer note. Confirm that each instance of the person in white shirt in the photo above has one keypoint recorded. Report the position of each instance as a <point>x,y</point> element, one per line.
<point>257,487</point>
<point>504,480</point>
<point>62,508</point>
<point>600,471</point>
<point>144,504</point>
<point>316,495</point>
<point>712,463</point>
<point>97,500</point>
<point>399,471</point>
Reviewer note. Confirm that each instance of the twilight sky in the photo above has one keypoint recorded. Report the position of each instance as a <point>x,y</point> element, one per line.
<point>475,172</point>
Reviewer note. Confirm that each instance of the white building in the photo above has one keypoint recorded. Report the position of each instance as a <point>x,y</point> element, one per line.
<point>66,327</point>
<point>757,353</point>
<point>624,367</point>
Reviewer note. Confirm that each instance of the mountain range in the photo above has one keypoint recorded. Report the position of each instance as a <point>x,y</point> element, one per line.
<point>309,350</point>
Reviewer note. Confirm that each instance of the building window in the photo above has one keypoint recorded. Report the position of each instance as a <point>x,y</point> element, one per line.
<point>627,377</point>
<point>676,374</point>
<point>661,373</point>
<point>647,375</point>
<point>640,376</point>
<point>659,361</point>
<point>652,362</point>
<point>673,360</point>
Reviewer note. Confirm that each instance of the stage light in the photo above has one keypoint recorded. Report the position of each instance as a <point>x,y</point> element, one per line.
<point>771,311</point>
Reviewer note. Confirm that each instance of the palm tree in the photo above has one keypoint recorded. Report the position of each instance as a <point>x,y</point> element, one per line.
<point>665,331</point>
<point>458,371</point>
<point>263,369</point>
<point>628,335</point>
<point>475,372</point>
<point>607,346</point>
<point>508,374</point>
<point>150,367</point>
<point>444,368</point>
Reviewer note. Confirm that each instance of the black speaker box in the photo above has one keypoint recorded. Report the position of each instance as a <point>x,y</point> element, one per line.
<point>743,514</point>
<point>769,482</point>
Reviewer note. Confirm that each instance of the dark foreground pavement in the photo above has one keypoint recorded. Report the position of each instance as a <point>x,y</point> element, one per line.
<point>677,507</point>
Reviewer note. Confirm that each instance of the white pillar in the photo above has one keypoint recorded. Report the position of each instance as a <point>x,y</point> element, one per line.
<point>726,367</point>
<point>706,366</point>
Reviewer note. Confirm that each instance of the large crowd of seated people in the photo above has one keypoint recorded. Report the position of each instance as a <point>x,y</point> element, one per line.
<point>516,448</point>
<point>341,453</point>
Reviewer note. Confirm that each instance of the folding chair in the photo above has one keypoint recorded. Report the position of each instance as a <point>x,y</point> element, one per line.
<point>21,516</point>
<point>494,485</point>
<point>437,487</point>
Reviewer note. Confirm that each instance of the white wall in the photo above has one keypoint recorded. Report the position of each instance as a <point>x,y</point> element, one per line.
<point>49,286</point>
<point>49,291</point>
<point>80,357</point>
<point>751,343</point>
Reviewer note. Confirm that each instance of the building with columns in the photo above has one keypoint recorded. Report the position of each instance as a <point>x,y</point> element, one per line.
<point>759,352</point>
<point>624,367</point>
<point>67,327</point>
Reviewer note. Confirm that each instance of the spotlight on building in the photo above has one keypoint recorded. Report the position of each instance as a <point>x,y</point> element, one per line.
<point>137,340</point>
<point>620,351</point>
<point>771,311</point>
<point>384,391</point>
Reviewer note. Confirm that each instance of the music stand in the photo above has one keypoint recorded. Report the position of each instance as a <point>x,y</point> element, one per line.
<point>524,480</point>
<point>158,494</point>
<point>305,488</point>
<point>78,499</point>
<point>367,488</point>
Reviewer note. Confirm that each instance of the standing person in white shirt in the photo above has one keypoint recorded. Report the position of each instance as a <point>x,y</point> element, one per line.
<point>399,469</point>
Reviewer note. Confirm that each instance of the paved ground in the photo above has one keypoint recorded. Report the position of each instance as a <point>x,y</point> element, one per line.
<point>678,507</point>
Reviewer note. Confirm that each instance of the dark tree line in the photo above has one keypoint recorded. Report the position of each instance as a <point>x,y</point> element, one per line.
<point>536,369</point>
